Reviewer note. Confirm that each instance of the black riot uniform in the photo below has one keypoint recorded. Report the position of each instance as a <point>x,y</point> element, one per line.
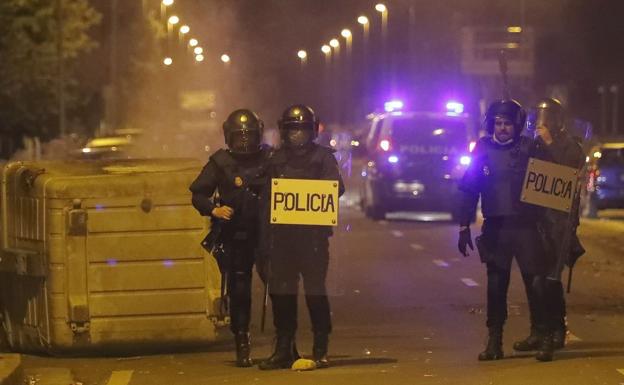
<point>236,175</point>
<point>299,250</point>
<point>509,230</point>
<point>562,246</point>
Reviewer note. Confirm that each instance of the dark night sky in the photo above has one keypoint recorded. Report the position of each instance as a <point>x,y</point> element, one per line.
<point>580,44</point>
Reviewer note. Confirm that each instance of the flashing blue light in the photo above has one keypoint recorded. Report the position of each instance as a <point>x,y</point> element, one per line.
<point>465,160</point>
<point>393,105</point>
<point>393,159</point>
<point>454,107</point>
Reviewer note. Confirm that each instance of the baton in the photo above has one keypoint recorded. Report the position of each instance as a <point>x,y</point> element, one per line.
<point>265,302</point>
<point>569,279</point>
<point>502,66</point>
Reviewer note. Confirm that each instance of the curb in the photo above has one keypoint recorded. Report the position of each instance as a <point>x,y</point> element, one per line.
<point>10,368</point>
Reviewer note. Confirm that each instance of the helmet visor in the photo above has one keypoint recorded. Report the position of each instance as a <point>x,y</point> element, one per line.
<point>245,141</point>
<point>298,137</point>
<point>543,117</point>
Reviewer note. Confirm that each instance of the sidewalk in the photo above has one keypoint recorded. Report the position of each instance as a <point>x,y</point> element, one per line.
<point>10,369</point>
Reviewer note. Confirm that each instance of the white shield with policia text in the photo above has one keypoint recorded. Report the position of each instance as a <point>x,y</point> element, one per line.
<point>304,202</point>
<point>549,185</point>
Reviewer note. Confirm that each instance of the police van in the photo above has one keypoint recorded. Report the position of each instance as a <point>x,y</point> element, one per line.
<point>414,161</point>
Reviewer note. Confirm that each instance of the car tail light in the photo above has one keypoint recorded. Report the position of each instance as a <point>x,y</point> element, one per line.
<point>591,181</point>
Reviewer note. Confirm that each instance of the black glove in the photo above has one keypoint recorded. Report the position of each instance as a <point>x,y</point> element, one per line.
<point>465,239</point>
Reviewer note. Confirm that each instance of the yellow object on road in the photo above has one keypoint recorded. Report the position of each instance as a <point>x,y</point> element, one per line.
<point>303,364</point>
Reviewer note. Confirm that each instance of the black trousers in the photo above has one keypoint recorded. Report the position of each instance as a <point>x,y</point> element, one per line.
<point>497,288</point>
<point>299,253</point>
<point>508,238</point>
<point>554,306</point>
<point>241,254</point>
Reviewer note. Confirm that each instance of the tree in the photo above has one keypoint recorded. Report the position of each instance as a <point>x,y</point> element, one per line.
<point>29,65</point>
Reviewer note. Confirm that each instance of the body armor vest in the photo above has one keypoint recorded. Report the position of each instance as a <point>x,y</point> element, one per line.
<point>239,187</point>
<point>502,170</point>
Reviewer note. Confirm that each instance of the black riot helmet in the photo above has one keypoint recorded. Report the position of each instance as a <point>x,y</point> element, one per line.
<point>298,126</point>
<point>509,109</point>
<point>548,113</point>
<point>243,132</point>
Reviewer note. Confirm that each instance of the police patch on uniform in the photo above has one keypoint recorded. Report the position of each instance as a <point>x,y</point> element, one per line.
<point>486,170</point>
<point>238,181</point>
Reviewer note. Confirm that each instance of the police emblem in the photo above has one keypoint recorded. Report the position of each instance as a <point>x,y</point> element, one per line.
<point>486,170</point>
<point>238,181</point>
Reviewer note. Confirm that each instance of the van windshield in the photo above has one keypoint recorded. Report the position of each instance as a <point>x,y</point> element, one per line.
<point>429,136</point>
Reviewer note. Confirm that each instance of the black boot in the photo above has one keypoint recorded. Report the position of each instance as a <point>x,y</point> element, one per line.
<point>494,348</point>
<point>319,350</point>
<point>282,357</point>
<point>559,338</point>
<point>532,342</point>
<point>546,349</point>
<point>242,350</point>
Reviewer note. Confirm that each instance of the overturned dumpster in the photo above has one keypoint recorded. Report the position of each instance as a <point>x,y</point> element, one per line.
<point>104,254</point>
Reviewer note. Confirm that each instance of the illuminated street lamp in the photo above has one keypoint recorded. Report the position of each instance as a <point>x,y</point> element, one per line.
<point>183,31</point>
<point>225,58</point>
<point>167,61</point>
<point>198,50</point>
<point>302,55</point>
<point>363,20</point>
<point>326,50</point>
<point>163,8</point>
<point>193,42</point>
<point>173,20</point>
<point>334,43</point>
<point>381,8</point>
<point>199,58</point>
<point>346,33</point>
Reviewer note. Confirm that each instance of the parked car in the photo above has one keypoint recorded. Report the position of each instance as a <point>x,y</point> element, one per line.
<point>605,179</point>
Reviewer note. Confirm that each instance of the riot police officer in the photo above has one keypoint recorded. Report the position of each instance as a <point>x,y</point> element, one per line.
<point>495,175</point>
<point>300,250</point>
<point>237,175</point>
<point>562,245</point>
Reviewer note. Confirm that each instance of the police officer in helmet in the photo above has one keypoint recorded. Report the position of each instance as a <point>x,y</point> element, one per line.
<point>228,190</point>
<point>300,250</point>
<point>509,231</point>
<point>562,246</point>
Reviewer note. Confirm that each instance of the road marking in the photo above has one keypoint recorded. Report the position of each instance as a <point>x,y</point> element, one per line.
<point>621,371</point>
<point>397,233</point>
<point>440,263</point>
<point>469,282</point>
<point>416,247</point>
<point>121,377</point>
<point>572,337</point>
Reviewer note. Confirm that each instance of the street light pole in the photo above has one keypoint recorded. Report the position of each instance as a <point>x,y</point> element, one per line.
<point>327,81</point>
<point>336,78</point>
<point>602,90</point>
<point>615,110</point>
<point>60,67</point>
<point>383,10</point>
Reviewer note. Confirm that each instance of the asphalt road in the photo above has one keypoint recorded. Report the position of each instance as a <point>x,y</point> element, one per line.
<point>407,309</point>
